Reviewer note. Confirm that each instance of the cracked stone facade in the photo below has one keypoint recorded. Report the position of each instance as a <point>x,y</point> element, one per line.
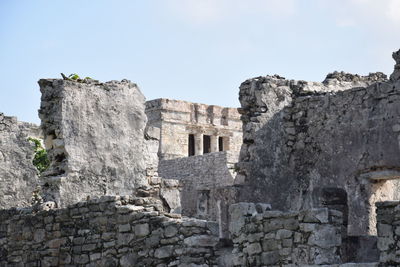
<point>18,175</point>
<point>305,139</point>
<point>265,237</point>
<point>388,214</point>
<point>95,137</point>
<point>200,177</point>
<point>199,146</point>
<point>217,126</point>
<point>315,161</point>
<point>109,231</point>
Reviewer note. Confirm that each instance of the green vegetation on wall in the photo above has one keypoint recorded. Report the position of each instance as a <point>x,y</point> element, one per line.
<point>40,160</point>
<point>75,77</point>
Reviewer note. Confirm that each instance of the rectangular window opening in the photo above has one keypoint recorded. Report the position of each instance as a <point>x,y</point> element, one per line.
<point>206,144</point>
<point>191,149</point>
<point>220,143</point>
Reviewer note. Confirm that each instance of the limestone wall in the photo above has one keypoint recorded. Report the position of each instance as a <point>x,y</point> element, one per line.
<point>200,177</point>
<point>95,136</point>
<point>262,237</point>
<point>303,138</point>
<point>18,176</point>
<point>110,231</point>
<point>388,224</point>
<point>177,119</point>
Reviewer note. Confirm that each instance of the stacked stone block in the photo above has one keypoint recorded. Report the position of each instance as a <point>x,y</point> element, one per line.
<point>388,225</point>
<point>197,174</point>
<point>300,137</point>
<point>273,238</point>
<point>110,231</point>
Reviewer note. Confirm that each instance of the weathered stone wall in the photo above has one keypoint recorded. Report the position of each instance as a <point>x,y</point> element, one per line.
<point>302,138</point>
<point>388,225</point>
<point>200,177</point>
<point>263,237</point>
<point>95,136</point>
<point>18,176</point>
<point>110,231</point>
<point>177,119</point>
<point>396,73</point>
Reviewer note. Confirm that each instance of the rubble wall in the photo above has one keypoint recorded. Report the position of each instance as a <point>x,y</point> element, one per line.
<point>200,177</point>
<point>303,138</point>
<point>109,231</point>
<point>388,225</point>
<point>95,136</point>
<point>18,175</point>
<point>262,237</point>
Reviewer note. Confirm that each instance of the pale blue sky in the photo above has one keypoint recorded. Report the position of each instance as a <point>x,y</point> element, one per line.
<point>195,50</point>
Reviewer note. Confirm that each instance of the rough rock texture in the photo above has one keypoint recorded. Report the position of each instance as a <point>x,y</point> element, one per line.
<point>18,176</point>
<point>396,74</point>
<point>95,137</point>
<point>270,238</point>
<point>200,176</point>
<point>169,191</point>
<point>388,224</point>
<point>206,182</point>
<point>110,231</point>
<point>304,139</point>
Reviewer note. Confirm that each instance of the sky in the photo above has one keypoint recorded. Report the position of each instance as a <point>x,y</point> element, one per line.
<point>194,50</point>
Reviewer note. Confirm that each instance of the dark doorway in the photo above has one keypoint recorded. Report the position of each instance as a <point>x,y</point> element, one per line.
<point>191,149</point>
<point>206,144</point>
<point>220,143</point>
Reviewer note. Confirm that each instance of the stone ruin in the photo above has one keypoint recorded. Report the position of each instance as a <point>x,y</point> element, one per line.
<point>303,174</point>
<point>199,146</point>
<point>18,181</point>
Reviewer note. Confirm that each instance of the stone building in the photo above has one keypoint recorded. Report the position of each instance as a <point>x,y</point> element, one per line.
<point>331,144</point>
<point>18,175</point>
<point>199,146</point>
<point>189,129</point>
<point>322,156</point>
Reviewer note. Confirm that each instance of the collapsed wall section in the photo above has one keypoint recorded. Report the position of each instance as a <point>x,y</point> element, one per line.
<point>18,175</point>
<point>302,139</point>
<point>207,183</point>
<point>95,137</point>
<point>200,177</point>
<point>110,231</point>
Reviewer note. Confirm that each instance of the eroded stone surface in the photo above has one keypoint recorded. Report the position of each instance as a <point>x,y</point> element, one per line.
<point>95,136</point>
<point>388,214</point>
<point>200,177</point>
<point>333,144</point>
<point>303,138</point>
<point>177,119</point>
<point>396,73</point>
<point>110,231</point>
<point>18,176</point>
<point>274,238</point>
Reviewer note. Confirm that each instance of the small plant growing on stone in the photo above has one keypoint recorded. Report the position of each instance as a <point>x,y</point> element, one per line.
<point>40,159</point>
<point>75,77</point>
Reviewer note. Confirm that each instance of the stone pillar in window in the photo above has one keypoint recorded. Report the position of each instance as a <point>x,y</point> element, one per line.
<point>214,143</point>
<point>199,144</point>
